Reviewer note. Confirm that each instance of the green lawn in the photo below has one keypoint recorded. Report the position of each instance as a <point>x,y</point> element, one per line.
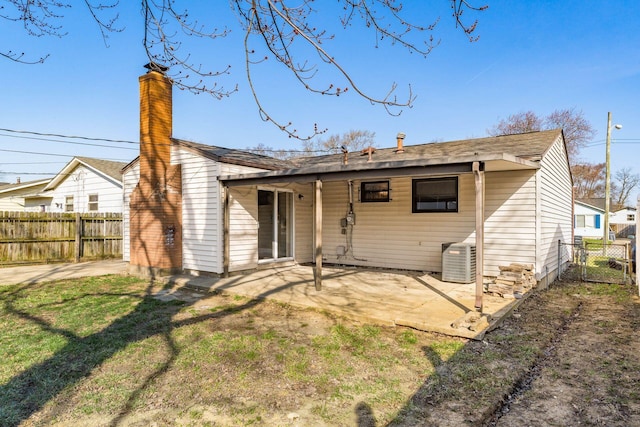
<point>105,348</point>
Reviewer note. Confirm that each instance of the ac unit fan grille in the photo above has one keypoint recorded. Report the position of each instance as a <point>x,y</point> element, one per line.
<point>458,262</point>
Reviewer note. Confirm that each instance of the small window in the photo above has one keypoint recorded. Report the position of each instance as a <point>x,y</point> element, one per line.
<point>68,203</point>
<point>377,191</point>
<point>435,195</point>
<point>588,221</point>
<point>631,217</point>
<point>93,202</point>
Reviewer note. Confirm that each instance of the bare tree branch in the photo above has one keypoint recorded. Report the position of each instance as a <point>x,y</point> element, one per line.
<point>286,33</point>
<point>625,183</point>
<point>576,128</point>
<point>588,180</point>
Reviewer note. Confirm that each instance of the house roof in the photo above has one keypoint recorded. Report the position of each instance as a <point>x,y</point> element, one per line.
<point>589,205</point>
<point>107,168</point>
<point>596,202</point>
<point>234,156</point>
<point>507,152</point>
<point>6,188</point>
<point>528,146</point>
<point>227,155</point>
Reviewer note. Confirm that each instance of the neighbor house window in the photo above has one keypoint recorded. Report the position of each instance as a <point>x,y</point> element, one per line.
<point>377,191</point>
<point>631,217</point>
<point>435,195</point>
<point>93,202</point>
<point>68,203</point>
<point>588,221</point>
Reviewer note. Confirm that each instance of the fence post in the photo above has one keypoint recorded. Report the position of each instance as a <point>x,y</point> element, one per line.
<point>78,237</point>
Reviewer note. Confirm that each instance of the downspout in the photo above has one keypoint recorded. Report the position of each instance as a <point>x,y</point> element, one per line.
<point>478,174</point>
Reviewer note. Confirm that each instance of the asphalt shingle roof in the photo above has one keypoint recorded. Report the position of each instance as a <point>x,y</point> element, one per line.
<point>529,146</point>
<point>108,167</point>
<point>234,156</point>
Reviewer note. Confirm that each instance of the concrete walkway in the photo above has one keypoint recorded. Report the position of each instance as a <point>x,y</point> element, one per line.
<point>373,296</point>
<point>30,274</point>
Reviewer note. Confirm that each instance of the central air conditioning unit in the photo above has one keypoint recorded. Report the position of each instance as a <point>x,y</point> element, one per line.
<point>458,262</point>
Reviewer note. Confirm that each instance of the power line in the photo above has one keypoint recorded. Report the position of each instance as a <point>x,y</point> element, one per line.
<point>31,163</point>
<point>53,154</point>
<point>28,173</point>
<point>68,136</point>
<point>68,142</point>
<point>256,150</point>
<point>614,141</point>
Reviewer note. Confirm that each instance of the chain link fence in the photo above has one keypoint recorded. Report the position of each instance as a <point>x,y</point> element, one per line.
<point>598,262</point>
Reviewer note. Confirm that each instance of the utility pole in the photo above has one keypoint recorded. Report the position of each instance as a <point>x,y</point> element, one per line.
<point>607,182</point>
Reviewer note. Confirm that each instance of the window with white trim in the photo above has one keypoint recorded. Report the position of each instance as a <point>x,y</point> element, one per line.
<point>68,203</point>
<point>93,202</point>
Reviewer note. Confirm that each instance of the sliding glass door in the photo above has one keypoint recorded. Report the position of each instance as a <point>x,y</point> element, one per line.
<point>275,225</point>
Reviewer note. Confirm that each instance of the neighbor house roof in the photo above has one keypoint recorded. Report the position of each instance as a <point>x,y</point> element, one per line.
<point>507,152</point>
<point>596,202</point>
<point>6,188</point>
<point>107,168</point>
<point>590,205</point>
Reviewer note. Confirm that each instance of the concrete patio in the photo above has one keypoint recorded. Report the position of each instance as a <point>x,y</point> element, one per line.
<point>392,298</point>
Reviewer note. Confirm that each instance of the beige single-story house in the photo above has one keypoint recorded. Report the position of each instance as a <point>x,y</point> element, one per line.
<point>21,196</point>
<point>204,209</point>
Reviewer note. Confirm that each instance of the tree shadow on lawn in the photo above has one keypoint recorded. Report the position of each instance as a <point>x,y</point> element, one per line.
<point>31,389</point>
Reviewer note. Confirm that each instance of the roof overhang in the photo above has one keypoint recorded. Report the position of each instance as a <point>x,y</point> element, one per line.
<point>415,167</point>
<point>17,187</point>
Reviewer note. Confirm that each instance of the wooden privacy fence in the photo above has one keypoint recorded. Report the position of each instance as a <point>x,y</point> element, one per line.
<point>36,237</point>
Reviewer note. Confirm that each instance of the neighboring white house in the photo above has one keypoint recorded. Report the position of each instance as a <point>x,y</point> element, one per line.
<point>623,222</point>
<point>21,196</point>
<point>85,185</point>
<point>588,220</point>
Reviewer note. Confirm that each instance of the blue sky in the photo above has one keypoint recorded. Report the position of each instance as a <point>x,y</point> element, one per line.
<point>531,55</point>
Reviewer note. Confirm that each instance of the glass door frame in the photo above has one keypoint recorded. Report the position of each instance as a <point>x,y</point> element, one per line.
<point>290,224</point>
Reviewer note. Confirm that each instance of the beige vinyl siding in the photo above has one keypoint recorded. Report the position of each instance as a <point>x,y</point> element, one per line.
<point>243,228</point>
<point>510,219</point>
<point>130,179</point>
<point>304,248</point>
<point>555,208</point>
<point>201,212</point>
<point>202,215</point>
<point>388,234</point>
<point>243,221</point>
<point>14,200</point>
